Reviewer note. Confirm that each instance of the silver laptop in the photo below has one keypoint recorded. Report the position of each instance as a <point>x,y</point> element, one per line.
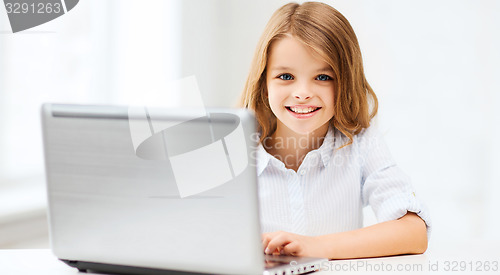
<point>138,190</point>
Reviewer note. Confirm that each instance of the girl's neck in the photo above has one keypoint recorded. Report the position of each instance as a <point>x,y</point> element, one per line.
<point>291,147</point>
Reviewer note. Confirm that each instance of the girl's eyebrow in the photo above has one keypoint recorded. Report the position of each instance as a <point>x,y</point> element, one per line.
<point>280,68</point>
<point>285,68</point>
<point>325,69</point>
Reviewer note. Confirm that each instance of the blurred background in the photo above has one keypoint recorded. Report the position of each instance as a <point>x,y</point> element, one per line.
<point>433,64</point>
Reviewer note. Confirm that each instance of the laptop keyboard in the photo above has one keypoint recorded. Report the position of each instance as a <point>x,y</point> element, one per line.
<point>287,265</point>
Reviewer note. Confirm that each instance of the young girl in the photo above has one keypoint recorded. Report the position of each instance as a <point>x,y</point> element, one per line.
<point>319,161</point>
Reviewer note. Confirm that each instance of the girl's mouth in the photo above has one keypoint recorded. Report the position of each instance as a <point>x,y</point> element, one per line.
<point>302,110</point>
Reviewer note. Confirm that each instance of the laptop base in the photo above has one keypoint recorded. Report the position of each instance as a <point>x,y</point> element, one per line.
<point>121,269</point>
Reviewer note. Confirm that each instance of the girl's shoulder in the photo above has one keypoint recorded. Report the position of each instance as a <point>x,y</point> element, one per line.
<point>367,138</point>
<point>371,141</point>
<point>370,131</point>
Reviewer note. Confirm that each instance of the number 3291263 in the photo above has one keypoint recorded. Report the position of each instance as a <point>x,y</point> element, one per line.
<point>33,8</point>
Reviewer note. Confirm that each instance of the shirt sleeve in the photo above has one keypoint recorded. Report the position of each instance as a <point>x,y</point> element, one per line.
<point>385,187</point>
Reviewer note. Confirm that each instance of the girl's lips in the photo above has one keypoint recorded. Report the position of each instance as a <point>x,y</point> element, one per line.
<point>302,106</point>
<point>302,115</point>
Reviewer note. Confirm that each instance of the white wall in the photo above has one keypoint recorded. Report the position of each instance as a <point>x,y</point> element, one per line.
<point>432,64</point>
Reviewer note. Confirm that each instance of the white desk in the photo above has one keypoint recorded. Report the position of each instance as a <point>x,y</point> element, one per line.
<point>444,258</point>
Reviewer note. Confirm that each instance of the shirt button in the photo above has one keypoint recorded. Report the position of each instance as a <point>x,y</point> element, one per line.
<point>302,172</point>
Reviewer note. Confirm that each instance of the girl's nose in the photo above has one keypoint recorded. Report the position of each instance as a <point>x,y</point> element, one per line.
<point>301,96</point>
<point>303,92</point>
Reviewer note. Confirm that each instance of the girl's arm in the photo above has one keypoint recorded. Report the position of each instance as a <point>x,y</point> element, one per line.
<point>406,235</point>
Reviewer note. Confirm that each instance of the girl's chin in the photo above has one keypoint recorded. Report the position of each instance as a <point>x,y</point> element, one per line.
<point>305,131</point>
<point>302,127</point>
<point>309,130</point>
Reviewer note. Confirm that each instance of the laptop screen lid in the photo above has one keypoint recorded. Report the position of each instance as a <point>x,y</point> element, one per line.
<point>158,188</point>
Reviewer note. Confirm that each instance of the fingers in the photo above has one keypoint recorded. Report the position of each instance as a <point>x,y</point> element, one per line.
<point>266,238</point>
<point>284,243</point>
<point>293,248</point>
<point>277,243</point>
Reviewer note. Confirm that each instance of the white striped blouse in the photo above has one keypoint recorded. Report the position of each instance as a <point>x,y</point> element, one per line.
<point>331,186</point>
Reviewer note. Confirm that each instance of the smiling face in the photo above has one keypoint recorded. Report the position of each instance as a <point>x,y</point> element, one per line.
<point>300,87</point>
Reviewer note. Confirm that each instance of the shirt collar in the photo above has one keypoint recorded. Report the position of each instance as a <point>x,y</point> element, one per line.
<point>326,149</point>
<point>264,159</point>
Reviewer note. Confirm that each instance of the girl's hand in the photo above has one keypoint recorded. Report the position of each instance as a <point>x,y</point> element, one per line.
<point>286,243</point>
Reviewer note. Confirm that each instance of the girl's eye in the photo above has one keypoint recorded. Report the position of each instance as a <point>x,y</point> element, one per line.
<point>285,77</point>
<point>323,77</point>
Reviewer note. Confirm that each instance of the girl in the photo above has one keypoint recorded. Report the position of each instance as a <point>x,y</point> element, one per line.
<point>319,161</point>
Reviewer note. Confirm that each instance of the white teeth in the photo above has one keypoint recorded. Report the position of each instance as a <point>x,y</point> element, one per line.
<point>302,110</point>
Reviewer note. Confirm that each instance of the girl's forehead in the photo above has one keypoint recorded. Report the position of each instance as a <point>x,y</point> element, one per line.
<point>291,50</point>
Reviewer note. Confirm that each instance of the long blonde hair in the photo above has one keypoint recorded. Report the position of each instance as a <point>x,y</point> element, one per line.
<point>327,32</point>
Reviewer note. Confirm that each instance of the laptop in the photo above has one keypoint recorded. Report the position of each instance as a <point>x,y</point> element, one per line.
<point>138,190</point>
